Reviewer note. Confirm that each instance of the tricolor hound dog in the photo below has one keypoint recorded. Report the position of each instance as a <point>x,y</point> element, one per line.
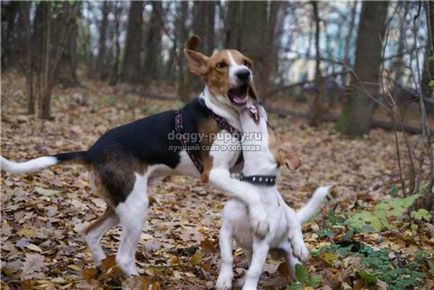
<point>260,169</point>
<point>124,158</point>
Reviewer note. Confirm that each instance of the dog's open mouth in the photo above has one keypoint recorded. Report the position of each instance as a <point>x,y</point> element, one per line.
<point>238,95</point>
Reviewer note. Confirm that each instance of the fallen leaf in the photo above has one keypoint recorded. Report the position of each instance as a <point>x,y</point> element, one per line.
<point>46,192</point>
<point>33,247</point>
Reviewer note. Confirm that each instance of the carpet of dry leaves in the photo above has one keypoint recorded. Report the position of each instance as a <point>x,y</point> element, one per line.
<point>43,213</point>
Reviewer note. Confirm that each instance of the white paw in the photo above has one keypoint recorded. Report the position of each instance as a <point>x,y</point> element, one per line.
<point>300,250</point>
<point>250,284</point>
<point>258,221</point>
<point>127,266</point>
<point>224,282</point>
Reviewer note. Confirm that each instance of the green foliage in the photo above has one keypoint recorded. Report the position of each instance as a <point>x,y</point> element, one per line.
<point>394,191</point>
<point>431,83</point>
<point>380,265</point>
<point>378,220</point>
<point>396,276</point>
<point>331,220</point>
<point>303,278</point>
<point>367,278</point>
<point>421,214</point>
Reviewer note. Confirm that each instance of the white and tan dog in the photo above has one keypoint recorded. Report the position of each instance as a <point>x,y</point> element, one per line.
<point>261,163</point>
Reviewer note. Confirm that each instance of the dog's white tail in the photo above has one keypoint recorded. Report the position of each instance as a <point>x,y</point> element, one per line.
<point>306,212</point>
<point>28,166</point>
<point>41,162</point>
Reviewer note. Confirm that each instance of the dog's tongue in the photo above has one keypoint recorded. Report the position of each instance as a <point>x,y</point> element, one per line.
<point>254,113</point>
<point>238,95</point>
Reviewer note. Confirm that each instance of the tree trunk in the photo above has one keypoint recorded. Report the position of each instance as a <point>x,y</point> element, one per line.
<point>399,60</point>
<point>131,64</point>
<point>209,27</point>
<point>25,18</point>
<point>67,72</point>
<point>117,45</point>
<point>233,25</point>
<point>316,108</point>
<point>193,83</point>
<point>152,65</point>
<point>349,37</point>
<point>428,67</point>
<point>52,52</point>
<point>101,61</point>
<point>44,75</point>
<point>253,38</point>
<point>270,47</point>
<point>184,87</point>
<point>355,119</point>
<point>10,12</point>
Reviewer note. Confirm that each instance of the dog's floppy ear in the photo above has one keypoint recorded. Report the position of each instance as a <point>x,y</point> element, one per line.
<point>252,91</point>
<point>196,61</point>
<point>288,158</point>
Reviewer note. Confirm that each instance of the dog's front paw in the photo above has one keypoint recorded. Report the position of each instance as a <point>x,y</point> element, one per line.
<point>300,250</point>
<point>258,221</point>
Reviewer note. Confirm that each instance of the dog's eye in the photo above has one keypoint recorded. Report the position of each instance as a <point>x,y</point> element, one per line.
<point>221,64</point>
<point>247,63</point>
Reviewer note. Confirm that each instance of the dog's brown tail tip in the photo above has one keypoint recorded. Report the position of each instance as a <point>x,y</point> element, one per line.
<point>193,42</point>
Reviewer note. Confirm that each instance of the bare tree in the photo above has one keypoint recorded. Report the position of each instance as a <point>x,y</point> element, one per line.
<point>101,61</point>
<point>25,18</point>
<point>209,27</point>
<point>67,72</point>
<point>184,88</point>
<point>254,20</point>
<point>51,54</point>
<point>350,34</point>
<point>131,63</point>
<point>428,67</point>
<point>270,52</point>
<point>316,106</point>
<point>356,117</point>
<point>233,24</point>
<point>152,65</point>
<point>118,8</point>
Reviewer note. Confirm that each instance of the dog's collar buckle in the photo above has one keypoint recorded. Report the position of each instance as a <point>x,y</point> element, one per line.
<point>265,180</point>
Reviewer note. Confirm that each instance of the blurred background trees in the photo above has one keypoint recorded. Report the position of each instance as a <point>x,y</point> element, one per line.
<point>359,64</point>
<point>334,61</point>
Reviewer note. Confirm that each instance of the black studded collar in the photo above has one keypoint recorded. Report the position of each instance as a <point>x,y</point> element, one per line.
<point>266,180</point>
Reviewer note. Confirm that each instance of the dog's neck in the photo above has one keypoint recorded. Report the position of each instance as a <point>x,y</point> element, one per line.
<point>225,111</point>
<point>258,159</point>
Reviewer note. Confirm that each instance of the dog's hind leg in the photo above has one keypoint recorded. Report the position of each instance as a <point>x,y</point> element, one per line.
<point>224,280</point>
<point>132,215</point>
<point>291,260</point>
<point>94,232</point>
<point>260,252</point>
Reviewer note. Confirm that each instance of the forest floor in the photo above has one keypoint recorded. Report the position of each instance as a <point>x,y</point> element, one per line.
<point>43,213</point>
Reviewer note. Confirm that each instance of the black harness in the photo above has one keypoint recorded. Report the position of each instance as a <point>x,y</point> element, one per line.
<point>266,180</point>
<point>179,128</point>
<point>221,123</point>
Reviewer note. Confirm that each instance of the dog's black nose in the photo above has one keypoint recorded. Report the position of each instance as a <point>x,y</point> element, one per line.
<point>243,75</point>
